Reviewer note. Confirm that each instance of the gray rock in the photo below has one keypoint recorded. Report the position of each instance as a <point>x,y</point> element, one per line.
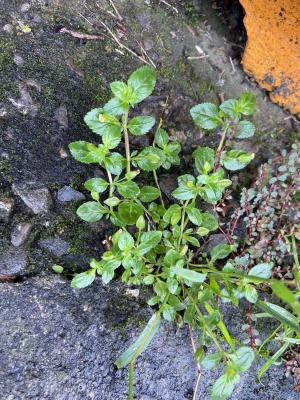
<point>61,116</point>
<point>25,103</point>
<point>18,60</point>
<point>67,193</point>
<point>24,7</point>
<point>20,233</point>
<point>13,262</point>
<point>214,240</point>
<point>61,344</point>
<point>8,28</point>
<point>37,199</point>
<point>168,183</point>
<point>6,207</point>
<point>56,246</point>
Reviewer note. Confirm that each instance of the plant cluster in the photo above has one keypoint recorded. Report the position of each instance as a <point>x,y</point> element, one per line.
<point>157,243</point>
<point>270,209</point>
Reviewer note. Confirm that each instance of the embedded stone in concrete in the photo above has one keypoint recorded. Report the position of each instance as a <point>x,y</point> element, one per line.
<point>37,199</point>
<point>6,207</point>
<point>20,233</point>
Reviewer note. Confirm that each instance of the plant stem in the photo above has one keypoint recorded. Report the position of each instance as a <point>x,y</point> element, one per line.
<point>126,138</point>
<point>296,262</point>
<point>182,222</point>
<point>219,149</point>
<point>210,332</point>
<point>131,375</point>
<point>110,185</point>
<point>158,187</point>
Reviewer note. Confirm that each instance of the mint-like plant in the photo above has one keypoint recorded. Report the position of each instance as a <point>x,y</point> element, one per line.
<point>158,243</point>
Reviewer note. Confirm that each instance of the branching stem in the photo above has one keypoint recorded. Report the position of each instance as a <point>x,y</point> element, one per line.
<point>127,147</point>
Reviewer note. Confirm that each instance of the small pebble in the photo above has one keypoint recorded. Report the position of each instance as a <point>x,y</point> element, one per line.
<point>18,60</point>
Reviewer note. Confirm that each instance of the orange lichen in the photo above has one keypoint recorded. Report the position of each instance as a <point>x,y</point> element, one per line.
<point>272,54</point>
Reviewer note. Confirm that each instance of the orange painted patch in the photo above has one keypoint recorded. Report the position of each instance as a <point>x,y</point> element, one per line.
<point>272,54</point>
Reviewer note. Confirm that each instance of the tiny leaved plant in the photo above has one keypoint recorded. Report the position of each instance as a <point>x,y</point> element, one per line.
<point>158,242</point>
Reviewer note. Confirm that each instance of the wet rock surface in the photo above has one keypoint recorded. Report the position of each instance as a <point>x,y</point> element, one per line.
<point>13,262</point>
<point>67,193</point>
<point>37,199</point>
<point>6,207</point>
<point>56,246</point>
<point>57,343</point>
<point>20,233</point>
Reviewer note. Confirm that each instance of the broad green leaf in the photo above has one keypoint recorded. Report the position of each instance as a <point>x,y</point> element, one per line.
<point>111,139</point>
<point>172,284</point>
<point>212,360</point>
<point>245,129</point>
<point>209,221</point>
<point>148,241</point>
<point>121,91</point>
<point>115,106</point>
<point>236,159</point>
<point>221,251</point>
<point>92,120</point>
<point>141,82</point>
<point>251,294</point>
<point>184,193</point>
<point>204,159</point>
<point>263,270</point>
<point>229,107</point>
<point>246,103</point>
<point>84,152</point>
<point>125,241</point>
<point>128,189</point>
<point>83,279</point>
<point>97,185</point>
<point>129,212</point>
<point>148,193</point>
<point>206,115</point>
<point>188,274</point>
<point>286,295</point>
<point>243,358</point>
<point>173,214</point>
<point>211,193</point>
<point>112,201</point>
<point>171,258</point>
<point>187,189</point>
<point>91,211</point>
<point>150,158</point>
<point>280,314</point>
<point>140,223</point>
<point>114,163</point>
<point>140,125</point>
<point>168,312</point>
<point>131,354</point>
<point>161,137</point>
<point>58,269</point>
<point>109,125</point>
<point>223,387</point>
<point>171,151</point>
<point>194,215</point>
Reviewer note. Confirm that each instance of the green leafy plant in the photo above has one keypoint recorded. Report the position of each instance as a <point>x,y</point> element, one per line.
<point>159,243</point>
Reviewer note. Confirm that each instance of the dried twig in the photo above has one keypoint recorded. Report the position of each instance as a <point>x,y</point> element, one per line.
<point>198,365</point>
<point>123,46</point>
<point>80,35</point>
<point>169,5</point>
<point>231,62</point>
<point>116,10</point>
